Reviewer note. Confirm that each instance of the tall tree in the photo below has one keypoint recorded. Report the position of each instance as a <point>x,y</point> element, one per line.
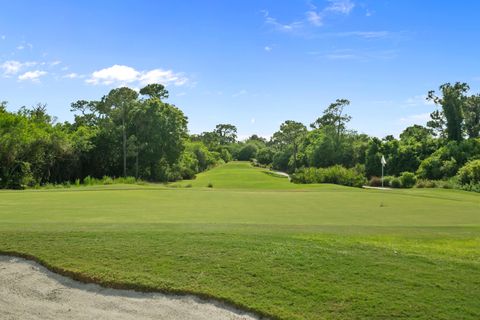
<point>472,116</point>
<point>334,116</point>
<point>155,90</point>
<point>290,135</point>
<point>227,133</point>
<point>117,104</point>
<point>452,102</point>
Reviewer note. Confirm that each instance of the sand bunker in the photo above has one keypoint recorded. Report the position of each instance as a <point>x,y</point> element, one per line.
<point>30,291</point>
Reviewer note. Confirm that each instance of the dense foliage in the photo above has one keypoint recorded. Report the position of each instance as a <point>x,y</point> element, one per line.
<point>126,133</point>
<point>122,134</point>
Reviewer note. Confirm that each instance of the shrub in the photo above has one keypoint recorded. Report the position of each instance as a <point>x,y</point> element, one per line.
<point>226,155</point>
<point>470,173</point>
<point>107,180</point>
<point>396,183</point>
<point>248,152</point>
<point>209,185</point>
<point>126,180</point>
<point>447,160</point>
<point>265,156</point>
<point>77,182</point>
<point>88,181</point>
<point>425,183</point>
<point>280,160</point>
<point>408,179</point>
<point>335,174</point>
<point>387,181</point>
<point>375,182</point>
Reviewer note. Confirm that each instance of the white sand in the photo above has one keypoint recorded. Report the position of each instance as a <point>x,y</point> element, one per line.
<point>30,291</point>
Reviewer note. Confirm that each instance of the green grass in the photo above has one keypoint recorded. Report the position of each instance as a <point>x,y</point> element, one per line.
<point>257,241</point>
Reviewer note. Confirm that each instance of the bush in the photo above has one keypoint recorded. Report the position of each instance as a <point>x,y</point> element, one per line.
<point>265,156</point>
<point>88,181</point>
<point>387,181</point>
<point>408,179</point>
<point>280,160</point>
<point>375,182</point>
<point>248,152</point>
<point>226,155</point>
<point>396,183</point>
<point>469,174</point>
<point>209,185</point>
<point>335,174</point>
<point>425,183</point>
<point>447,160</point>
<point>107,180</point>
<point>126,180</point>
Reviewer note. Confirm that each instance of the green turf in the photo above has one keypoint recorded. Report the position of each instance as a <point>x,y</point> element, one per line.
<point>289,251</point>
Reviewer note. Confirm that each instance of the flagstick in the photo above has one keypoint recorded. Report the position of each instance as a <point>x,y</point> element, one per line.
<point>382,174</point>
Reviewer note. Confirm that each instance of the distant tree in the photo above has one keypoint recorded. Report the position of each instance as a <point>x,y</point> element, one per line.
<point>3,106</point>
<point>155,90</point>
<point>452,103</point>
<point>227,133</point>
<point>87,111</point>
<point>416,133</point>
<point>117,104</point>
<point>472,116</point>
<point>290,135</point>
<point>248,152</point>
<point>334,116</point>
<point>372,158</point>
<point>265,156</point>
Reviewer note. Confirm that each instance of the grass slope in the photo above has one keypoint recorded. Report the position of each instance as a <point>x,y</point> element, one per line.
<point>288,251</point>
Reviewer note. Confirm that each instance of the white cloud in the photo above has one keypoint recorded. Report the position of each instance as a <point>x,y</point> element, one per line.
<point>32,75</point>
<point>12,67</point>
<point>284,27</point>
<point>3,37</point>
<point>267,48</point>
<point>113,74</point>
<point>252,121</point>
<point>240,93</point>
<point>120,74</point>
<point>55,63</point>
<point>348,54</point>
<point>72,75</point>
<point>363,34</point>
<point>165,77</point>
<point>421,119</point>
<point>340,6</point>
<point>289,27</point>
<point>341,56</point>
<point>418,100</point>
<point>314,18</point>
<point>24,45</point>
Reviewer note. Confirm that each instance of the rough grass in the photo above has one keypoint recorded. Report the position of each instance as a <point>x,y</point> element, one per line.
<point>284,250</point>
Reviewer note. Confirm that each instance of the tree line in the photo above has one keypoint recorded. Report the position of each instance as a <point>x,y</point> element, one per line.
<point>139,134</point>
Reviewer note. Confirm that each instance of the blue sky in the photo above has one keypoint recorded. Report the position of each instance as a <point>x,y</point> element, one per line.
<point>250,63</point>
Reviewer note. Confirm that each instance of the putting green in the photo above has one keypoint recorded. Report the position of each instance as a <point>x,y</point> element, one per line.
<point>262,243</point>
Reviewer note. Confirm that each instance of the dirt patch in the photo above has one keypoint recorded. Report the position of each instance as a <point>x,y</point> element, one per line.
<point>29,291</point>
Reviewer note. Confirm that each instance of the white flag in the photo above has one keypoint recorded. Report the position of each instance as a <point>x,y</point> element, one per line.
<point>384,162</point>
